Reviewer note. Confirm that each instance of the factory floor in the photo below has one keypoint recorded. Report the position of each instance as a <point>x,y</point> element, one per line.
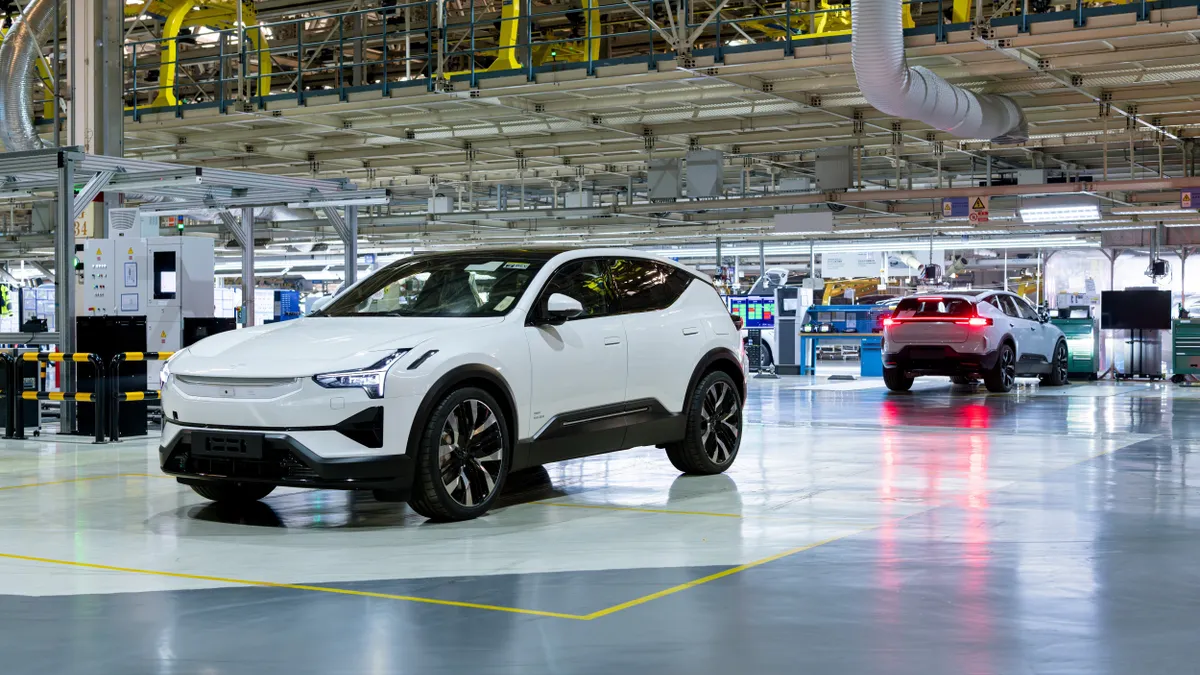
<point>947,530</point>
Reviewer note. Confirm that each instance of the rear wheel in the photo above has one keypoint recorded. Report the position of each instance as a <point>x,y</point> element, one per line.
<point>714,428</point>
<point>1003,375</point>
<point>896,380</point>
<point>229,492</point>
<point>462,458</point>
<point>1057,376</point>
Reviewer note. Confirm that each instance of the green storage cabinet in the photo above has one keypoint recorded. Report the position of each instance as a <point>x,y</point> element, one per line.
<point>1185,347</point>
<point>1083,341</point>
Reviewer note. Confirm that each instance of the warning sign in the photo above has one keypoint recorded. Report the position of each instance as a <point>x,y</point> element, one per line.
<point>1187,198</point>
<point>130,250</point>
<point>164,333</point>
<point>979,210</point>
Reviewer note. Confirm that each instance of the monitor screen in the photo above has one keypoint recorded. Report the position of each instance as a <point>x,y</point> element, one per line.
<point>756,312</point>
<point>1135,310</point>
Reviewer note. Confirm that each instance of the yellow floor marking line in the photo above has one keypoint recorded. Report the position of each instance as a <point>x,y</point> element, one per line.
<point>295,587</point>
<point>81,479</point>
<point>719,575</point>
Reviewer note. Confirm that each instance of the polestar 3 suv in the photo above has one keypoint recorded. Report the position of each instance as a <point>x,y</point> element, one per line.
<point>435,377</point>
<point>995,336</point>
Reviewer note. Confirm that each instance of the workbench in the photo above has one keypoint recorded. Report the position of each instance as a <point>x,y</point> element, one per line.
<point>870,353</point>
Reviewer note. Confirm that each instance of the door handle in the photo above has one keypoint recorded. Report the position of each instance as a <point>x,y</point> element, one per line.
<point>612,340</point>
<point>690,330</point>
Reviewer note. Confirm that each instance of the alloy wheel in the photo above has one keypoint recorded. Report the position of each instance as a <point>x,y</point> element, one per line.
<point>720,422</point>
<point>1060,362</point>
<point>471,452</point>
<point>1008,368</point>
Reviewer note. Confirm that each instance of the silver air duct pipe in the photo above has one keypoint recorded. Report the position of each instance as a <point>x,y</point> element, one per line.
<point>17,54</point>
<point>916,93</point>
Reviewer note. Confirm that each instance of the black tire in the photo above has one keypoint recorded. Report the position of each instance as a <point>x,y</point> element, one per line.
<point>962,380</point>
<point>229,492</point>
<point>896,380</point>
<point>1057,376</point>
<point>714,422</point>
<point>453,481</point>
<point>1001,378</point>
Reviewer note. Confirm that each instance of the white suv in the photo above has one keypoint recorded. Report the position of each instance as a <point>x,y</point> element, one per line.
<point>432,379</point>
<point>967,335</point>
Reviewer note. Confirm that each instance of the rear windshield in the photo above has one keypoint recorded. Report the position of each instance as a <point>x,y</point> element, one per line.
<point>932,307</point>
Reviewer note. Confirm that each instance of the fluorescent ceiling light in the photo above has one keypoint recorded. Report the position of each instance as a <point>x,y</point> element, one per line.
<point>151,184</point>
<point>362,201</point>
<point>17,194</point>
<point>1151,211</point>
<point>1068,208</point>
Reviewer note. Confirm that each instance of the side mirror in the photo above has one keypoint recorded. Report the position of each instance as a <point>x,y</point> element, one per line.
<point>559,308</point>
<point>321,303</point>
<point>738,322</point>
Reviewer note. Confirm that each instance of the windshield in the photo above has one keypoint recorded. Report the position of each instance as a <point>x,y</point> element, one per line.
<point>464,285</point>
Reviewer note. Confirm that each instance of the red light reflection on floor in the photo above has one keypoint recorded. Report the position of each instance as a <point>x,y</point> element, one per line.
<point>975,416</point>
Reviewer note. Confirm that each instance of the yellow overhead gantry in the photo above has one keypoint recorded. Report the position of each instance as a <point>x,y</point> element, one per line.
<point>507,58</point>
<point>217,14</point>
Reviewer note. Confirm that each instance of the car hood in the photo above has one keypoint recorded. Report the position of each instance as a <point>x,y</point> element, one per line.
<point>312,345</point>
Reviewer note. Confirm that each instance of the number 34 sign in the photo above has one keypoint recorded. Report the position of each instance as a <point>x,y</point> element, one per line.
<point>85,224</point>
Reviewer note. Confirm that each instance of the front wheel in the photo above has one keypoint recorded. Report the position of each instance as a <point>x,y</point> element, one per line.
<point>1003,375</point>
<point>1057,376</point>
<point>896,380</point>
<point>463,457</point>
<point>714,428</point>
<point>229,492</point>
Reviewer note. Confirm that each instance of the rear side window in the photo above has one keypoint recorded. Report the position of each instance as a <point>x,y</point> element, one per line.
<point>933,308</point>
<point>647,285</point>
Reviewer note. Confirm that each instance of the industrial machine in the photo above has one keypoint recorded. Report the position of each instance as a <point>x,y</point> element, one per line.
<point>1078,324</point>
<point>164,279</point>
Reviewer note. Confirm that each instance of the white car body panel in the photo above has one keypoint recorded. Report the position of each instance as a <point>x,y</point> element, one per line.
<point>261,379</point>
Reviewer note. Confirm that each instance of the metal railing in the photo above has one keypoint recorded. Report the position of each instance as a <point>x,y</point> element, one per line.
<point>114,387</point>
<point>418,44</point>
<point>18,393</point>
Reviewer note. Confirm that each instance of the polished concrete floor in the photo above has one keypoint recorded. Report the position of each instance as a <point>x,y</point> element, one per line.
<point>942,531</point>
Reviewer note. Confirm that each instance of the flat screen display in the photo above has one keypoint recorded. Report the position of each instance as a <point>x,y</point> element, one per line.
<point>1135,310</point>
<point>756,311</point>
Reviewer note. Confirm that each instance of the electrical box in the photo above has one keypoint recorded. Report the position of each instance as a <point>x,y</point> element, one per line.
<point>705,173</point>
<point>164,279</point>
<point>441,203</point>
<point>579,199</point>
<point>662,176</point>
<point>833,169</point>
<point>1031,176</point>
<point>795,185</point>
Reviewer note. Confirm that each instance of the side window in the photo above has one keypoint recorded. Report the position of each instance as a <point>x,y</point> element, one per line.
<point>584,280</point>
<point>1026,310</point>
<point>647,285</point>
<point>1010,308</point>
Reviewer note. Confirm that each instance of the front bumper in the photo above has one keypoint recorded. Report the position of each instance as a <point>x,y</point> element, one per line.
<point>940,360</point>
<point>277,458</point>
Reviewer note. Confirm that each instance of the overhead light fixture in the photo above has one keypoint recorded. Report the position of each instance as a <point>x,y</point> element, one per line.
<point>133,185</point>
<point>16,194</point>
<point>1152,211</point>
<point>1066,208</point>
<point>334,203</point>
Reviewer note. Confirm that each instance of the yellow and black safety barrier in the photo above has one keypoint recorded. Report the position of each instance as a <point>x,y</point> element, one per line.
<point>15,428</point>
<point>114,431</point>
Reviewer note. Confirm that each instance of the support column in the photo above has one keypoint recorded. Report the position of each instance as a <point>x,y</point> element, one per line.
<point>247,225</point>
<point>351,245</point>
<point>96,116</point>
<point>762,259</point>
<point>718,274</point>
<point>64,275</point>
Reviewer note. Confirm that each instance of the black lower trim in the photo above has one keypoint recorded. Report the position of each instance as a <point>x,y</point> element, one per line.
<point>940,360</point>
<point>598,430</point>
<point>279,459</point>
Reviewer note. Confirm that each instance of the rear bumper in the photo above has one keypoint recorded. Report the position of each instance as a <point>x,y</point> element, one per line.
<point>940,360</point>
<point>278,458</point>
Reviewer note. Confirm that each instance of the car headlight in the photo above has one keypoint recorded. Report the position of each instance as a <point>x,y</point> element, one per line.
<point>370,379</point>
<point>164,375</point>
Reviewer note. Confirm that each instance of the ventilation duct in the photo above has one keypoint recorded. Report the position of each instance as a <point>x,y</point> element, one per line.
<point>17,54</point>
<point>916,93</point>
